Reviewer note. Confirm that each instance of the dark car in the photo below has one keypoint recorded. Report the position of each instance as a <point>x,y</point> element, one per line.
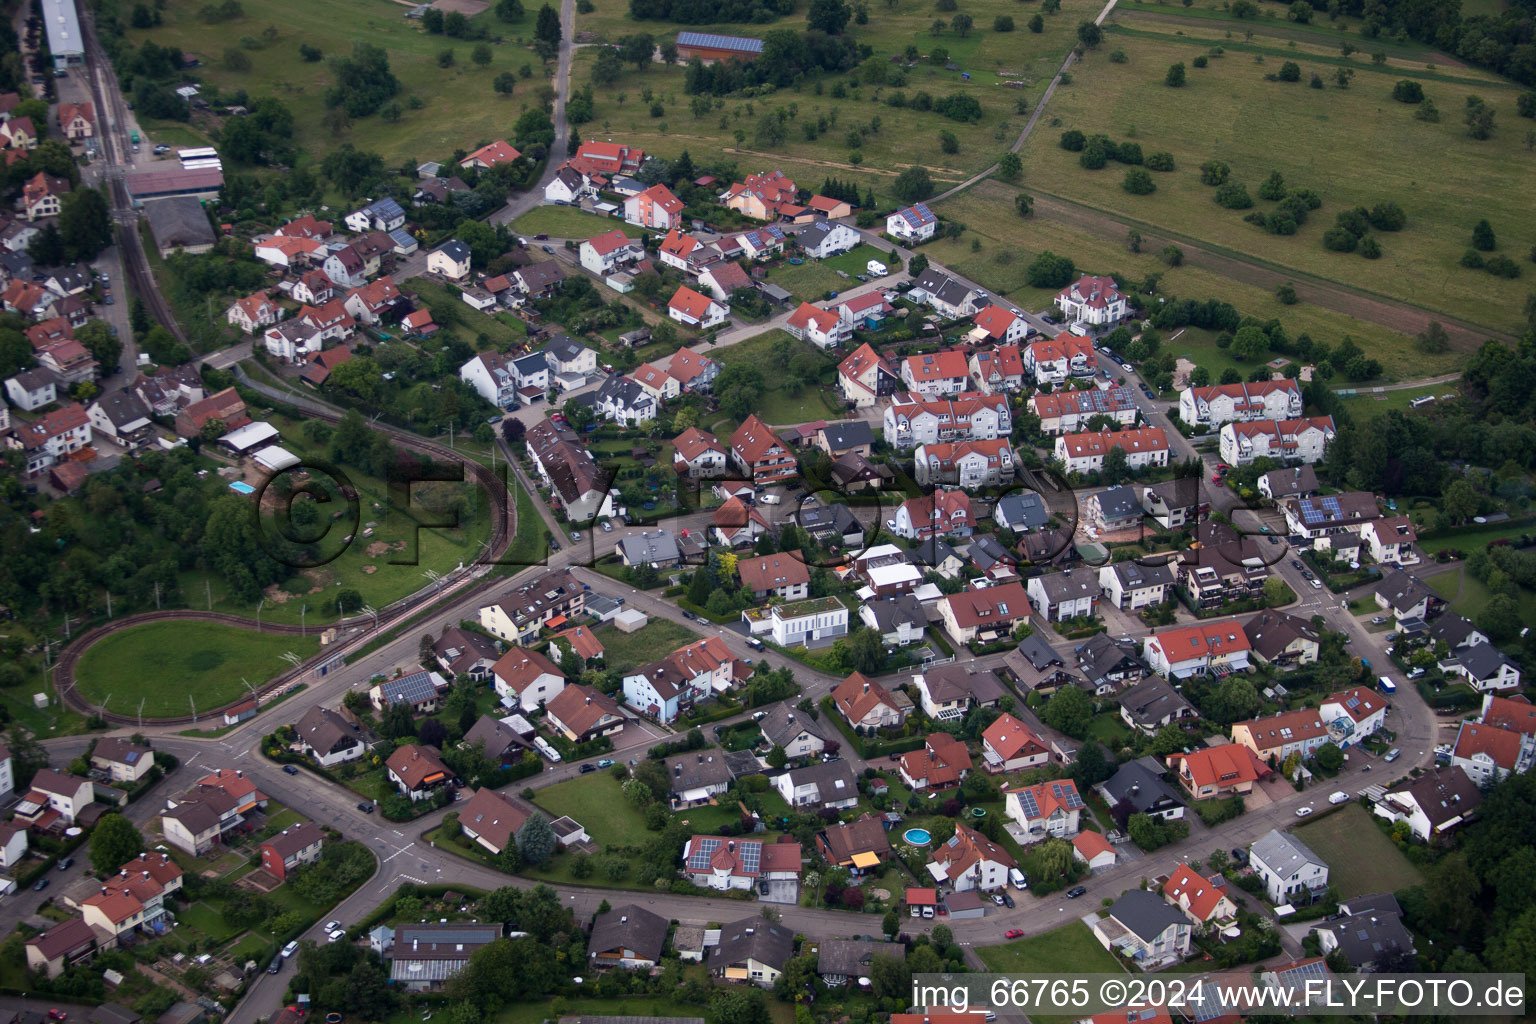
<point>548,249</point>
<point>42,883</point>
<point>1007,901</point>
<point>290,769</point>
<point>66,863</point>
<point>365,807</point>
<point>689,615</point>
<point>1240,855</point>
<point>1076,891</point>
<point>275,966</point>
<point>541,238</point>
<point>584,769</point>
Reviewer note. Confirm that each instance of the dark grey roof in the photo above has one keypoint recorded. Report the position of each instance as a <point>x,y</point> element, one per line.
<point>538,276</point>
<point>987,551</point>
<point>624,392</point>
<point>1100,657</point>
<point>697,770</point>
<point>325,731</point>
<point>1445,793</point>
<point>564,348</point>
<point>415,688</point>
<point>782,723</point>
<point>1454,629</point>
<point>1039,653</point>
<point>1145,914</point>
<point>179,222</point>
<point>1135,575</point>
<point>1142,787</point>
<point>1484,661</point>
<point>454,250</point>
<point>1270,632</point>
<point>37,378</point>
<point>1401,591</point>
<point>497,736</point>
<point>123,408</point>
<point>931,554</point>
<point>1068,585</point>
<point>892,612</point>
<point>659,546</point>
<point>531,363</point>
<point>814,235</point>
<point>848,434</point>
<point>1180,492</point>
<point>113,1013</point>
<point>753,938</point>
<point>629,927</point>
<point>1118,502</point>
<point>823,520</point>
<point>1372,928</point>
<point>851,958</point>
<point>1021,509</point>
<point>1152,700</point>
<point>1287,483</point>
<point>1283,853</point>
<point>835,781</point>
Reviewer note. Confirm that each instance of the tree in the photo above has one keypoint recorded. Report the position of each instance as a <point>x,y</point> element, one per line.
<point>1069,710</point>
<point>481,54</point>
<point>1089,34</point>
<point>114,842</point>
<point>948,143</point>
<point>913,184</point>
<point>1138,182</point>
<point>1479,118</point>
<point>777,757</point>
<point>1329,757</point>
<point>1290,71</point>
<point>505,83</point>
<point>962,23</point>
<point>547,27</point>
<point>536,841</point>
<point>1408,92</point>
<point>1459,502</point>
<point>1091,766</point>
<point>1037,24</point>
<point>1300,12</point>
<point>1174,79</point>
<point>1500,619</point>
<point>829,16</point>
<point>85,223</point>
<point>1285,294</point>
<point>1024,204</point>
<point>1051,271</point>
<point>510,11</point>
<point>1482,237</point>
<point>1009,166</point>
<point>890,925</point>
<point>397,722</point>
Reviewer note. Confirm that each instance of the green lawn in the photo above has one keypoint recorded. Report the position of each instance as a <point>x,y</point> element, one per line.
<point>1009,243</point>
<point>206,920</point>
<point>163,663</point>
<point>1258,126</point>
<point>462,322</point>
<point>1468,595</point>
<point>1365,405</point>
<point>656,639</point>
<point>1360,858</point>
<point>569,222</point>
<point>458,109</point>
<point>1070,949</point>
<point>811,280</point>
<point>596,801</point>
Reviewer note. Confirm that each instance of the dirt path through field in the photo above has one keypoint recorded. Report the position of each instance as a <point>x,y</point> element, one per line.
<point>1279,31</point>
<point>1397,316</point>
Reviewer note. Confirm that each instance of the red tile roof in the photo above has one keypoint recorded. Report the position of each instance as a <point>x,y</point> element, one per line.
<point>493,153</point>
<point>824,319</point>
<point>1011,738</point>
<point>690,303</point>
<point>1188,889</point>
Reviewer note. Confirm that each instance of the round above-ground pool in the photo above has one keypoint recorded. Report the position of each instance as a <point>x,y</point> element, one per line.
<point>917,836</point>
<point>978,812</point>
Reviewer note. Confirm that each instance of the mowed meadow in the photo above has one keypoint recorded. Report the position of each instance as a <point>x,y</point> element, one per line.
<point>905,136</point>
<point>1354,146</point>
<point>459,109</point>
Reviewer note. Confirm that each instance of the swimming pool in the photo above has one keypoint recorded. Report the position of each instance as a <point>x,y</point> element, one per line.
<point>241,487</point>
<point>917,836</point>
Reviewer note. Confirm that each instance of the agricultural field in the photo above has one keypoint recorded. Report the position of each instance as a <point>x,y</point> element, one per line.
<point>905,135</point>
<point>459,109</point>
<point>1008,242</point>
<point>202,660</point>
<point>1230,112</point>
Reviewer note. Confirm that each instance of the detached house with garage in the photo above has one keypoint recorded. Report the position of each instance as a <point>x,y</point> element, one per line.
<point>1069,594</point>
<point>1290,871</point>
<point>821,327</point>
<point>865,704</point>
<point>797,733</point>
<point>121,759</point>
<point>1141,926</point>
<point>753,950</point>
<point>826,238</point>
<point>865,377</point>
<point>416,771</point>
<point>583,714</point>
<point>759,453</point>
<point>609,251</point>
<point>655,208</point>
<point>1213,773</point>
<point>327,737</point>
<point>526,680</point>
<point>699,455</point>
<point>781,575</point>
<point>1050,809</point>
<point>915,223</point>
<point>1008,745</point>
<point>253,312</point>
<point>1093,302</point>
<point>692,309</point>
<point>723,863</point>
<point>629,937</point>
<point>971,862</point>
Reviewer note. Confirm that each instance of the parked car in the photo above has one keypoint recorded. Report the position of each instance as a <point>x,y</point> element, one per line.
<point>1340,797</point>
<point>607,526</point>
<point>276,965</point>
<point>548,249</point>
<point>997,898</point>
<point>289,769</point>
<point>1392,755</point>
<point>365,807</point>
<point>331,926</point>
<point>1014,933</point>
<point>1302,812</point>
<point>41,884</point>
<point>575,535</point>
<point>336,936</point>
<point>689,615</point>
<point>65,863</point>
<point>57,1015</point>
<point>1240,855</point>
<point>290,949</point>
<point>754,643</point>
<point>1076,891</point>
<point>1007,901</point>
<point>1316,583</point>
<point>1216,478</point>
<point>1296,563</point>
<point>605,763</point>
<point>587,769</point>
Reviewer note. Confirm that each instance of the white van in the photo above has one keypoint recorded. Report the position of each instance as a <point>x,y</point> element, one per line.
<point>1339,798</point>
<point>1017,878</point>
<point>875,268</point>
<point>770,499</point>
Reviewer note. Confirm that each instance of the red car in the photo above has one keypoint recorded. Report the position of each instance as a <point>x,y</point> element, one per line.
<point>1014,933</point>
<point>1215,478</point>
<point>1221,467</point>
<point>57,1015</point>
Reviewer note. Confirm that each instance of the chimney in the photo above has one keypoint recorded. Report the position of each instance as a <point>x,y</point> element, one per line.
<point>589,701</point>
<point>866,686</point>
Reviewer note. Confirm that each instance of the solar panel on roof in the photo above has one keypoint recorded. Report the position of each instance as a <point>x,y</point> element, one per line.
<point>1031,808</point>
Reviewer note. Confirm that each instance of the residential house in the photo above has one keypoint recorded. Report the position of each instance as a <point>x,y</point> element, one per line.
<point>1064,595</point>
<point>1296,440</point>
<point>380,215</point>
<point>292,848</point>
<point>1213,773</point>
<point>1278,638</point>
<point>54,797</point>
<point>759,453</point>
<point>188,232</point>
<point>538,280</point>
<point>763,196</point>
<point>1092,301</point>
<point>1516,714</point>
<point>900,619</point>
<point>292,341</point>
<point>944,511</point>
<point>319,369</point>
<point>460,652</point>
<point>424,957</point>
<point>697,454</point>
<point>1288,869</point>
<point>844,437</point>
<point>1219,404</point>
<point>253,312</point>
<point>986,615</point>
<point>13,843</point>
<point>450,260</point>
<point>568,468</point>
<point>77,121</point>
<point>1084,453</point>
<point>679,250</point>
<point>841,961</point>
<point>1153,703</point>
<point>628,936</point>
<point>1277,737</point>
<point>1490,753</point>
<point>655,208</point>
<point>1020,511</point>
<point>1390,540</point>
<point>970,862</point>
<point>1008,745</point>
<point>1455,632</point>
<point>1203,900</point>
<point>860,845</point>
<point>1131,585</point>
<point>30,390</point>
<point>605,253</point>
<point>492,820</point>
<point>1141,926</point>
<point>375,302</point>
<point>216,804</point>
<point>780,575</point>
<point>813,622</point>
<point>583,714</point>
<point>331,319</point>
<point>692,309</point>
<point>1485,667</point>
<point>821,327</point>
<point>654,548</point>
<point>1292,482</point>
<point>940,763</point>
<point>1068,411</point>
<point>948,297</point>
<point>1056,360</point>
<point>915,223</point>
<point>526,680</point>
<point>1223,566</point>
<point>327,737</point>
<point>865,377</point>
<point>122,759</point>
<point>1209,647</point>
<point>1434,804</point>
<point>42,195</point>
<point>52,437</point>
<point>992,559</point>
<point>416,771</point>
<point>422,692</point>
<point>753,950</point>
<point>658,383</point>
<point>1001,326</point>
<point>819,785</point>
<point>865,704</point>
<point>1049,809</point>
<point>1175,503</point>
<point>63,945</point>
<point>826,238</point>
<point>500,742</point>
<point>761,243</point>
<point>1369,930</point>
<point>625,402</point>
<point>944,373</point>
<point>697,778</point>
<point>967,464</point>
<point>721,862</point>
<point>796,733</point>
<point>1407,597</point>
<point>1140,786</point>
<point>832,524</point>
<point>948,692</point>
<point>694,371</point>
<point>737,524</point>
<point>1109,664</point>
<point>121,416</point>
<point>568,185</point>
<point>346,267</point>
<point>721,278</point>
<point>867,310</point>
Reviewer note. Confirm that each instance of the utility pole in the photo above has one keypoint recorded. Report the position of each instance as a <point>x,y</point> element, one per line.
<point>157,595</point>
<point>303,611</point>
<point>109,604</point>
<point>141,711</point>
<point>193,702</point>
<point>259,606</point>
<point>208,591</point>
